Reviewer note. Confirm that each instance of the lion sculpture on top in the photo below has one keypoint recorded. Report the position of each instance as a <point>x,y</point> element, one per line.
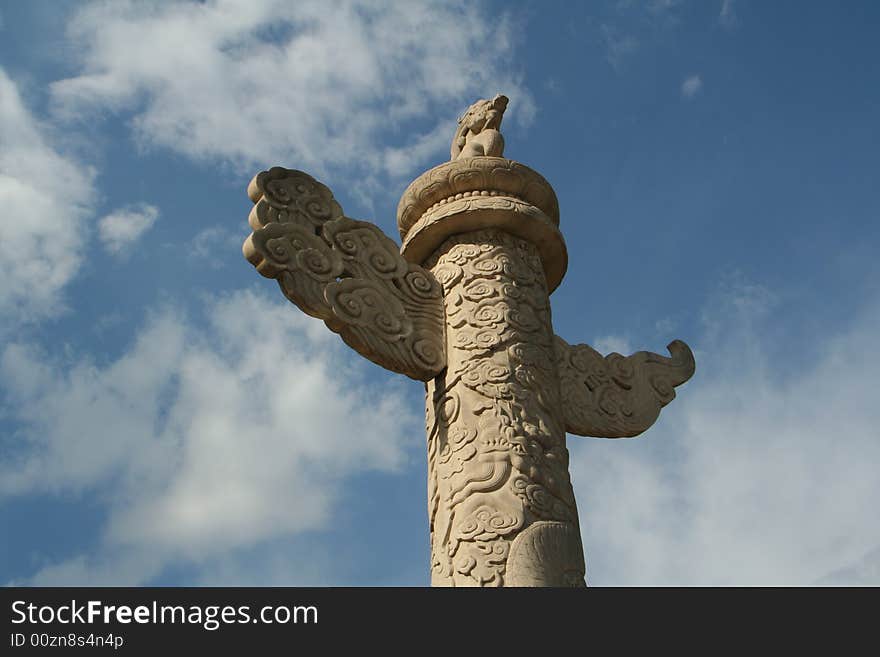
<point>478,130</point>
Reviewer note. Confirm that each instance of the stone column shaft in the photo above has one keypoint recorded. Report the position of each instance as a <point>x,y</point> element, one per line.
<point>501,505</point>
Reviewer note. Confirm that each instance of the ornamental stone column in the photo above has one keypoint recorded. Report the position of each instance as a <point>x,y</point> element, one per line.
<point>464,306</point>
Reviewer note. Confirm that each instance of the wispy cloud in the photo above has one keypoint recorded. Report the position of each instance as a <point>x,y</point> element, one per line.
<point>618,45</point>
<point>750,476</point>
<point>211,247</point>
<point>608,343</point>
<point>727,16</point>
<point>861,572</point>
<point>120,229</point>
<point>659,6</point>
<point>635,26</point>
<point>45,198</point>
<point>204,438</point>
<point>261,82</point>
<point>691,86</point>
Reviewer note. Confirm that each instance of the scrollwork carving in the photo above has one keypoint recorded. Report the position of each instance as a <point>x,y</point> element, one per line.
<point>472,178</point>
<point>615,396</point>
<point>347,273</point>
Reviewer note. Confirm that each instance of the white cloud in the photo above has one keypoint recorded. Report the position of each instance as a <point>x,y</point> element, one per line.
<point>398,160</point>
<point>636,25</point>
<point>691,86</point>
<point>120,229</point>
<point>618,46</point>
<point>751,476</point>
<point>213,245</point>
<point>608,343</point>
<point>665,326</point>
<point>45,197</point>
<point>659,6</point>
<point>727,16</point>
<point>308,84</point>
<point>862,572</point>
<point>204,440</point>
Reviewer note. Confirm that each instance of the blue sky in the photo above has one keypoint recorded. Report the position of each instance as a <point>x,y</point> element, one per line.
<point>167,418</point>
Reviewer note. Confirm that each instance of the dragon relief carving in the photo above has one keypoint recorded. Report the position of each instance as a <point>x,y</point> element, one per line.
<point>346,272</point>
<point>498,463</point>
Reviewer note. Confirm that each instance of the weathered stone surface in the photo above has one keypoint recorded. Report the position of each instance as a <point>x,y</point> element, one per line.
<point>465,307</point>
<point>497,461</point>
<point>346,272</point>
<point>466,178</point>
<point>615,396</point>
<point>546,554</point>
<point>479,130</point>
<point>482,192</point>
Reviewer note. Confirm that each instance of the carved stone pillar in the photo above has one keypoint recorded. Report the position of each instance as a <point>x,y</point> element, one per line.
<point>501,505</point>
<point>464,306</point>
<point>500,502</point>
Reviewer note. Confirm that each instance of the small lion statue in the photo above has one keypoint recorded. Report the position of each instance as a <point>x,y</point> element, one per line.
<point>478,130</point>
